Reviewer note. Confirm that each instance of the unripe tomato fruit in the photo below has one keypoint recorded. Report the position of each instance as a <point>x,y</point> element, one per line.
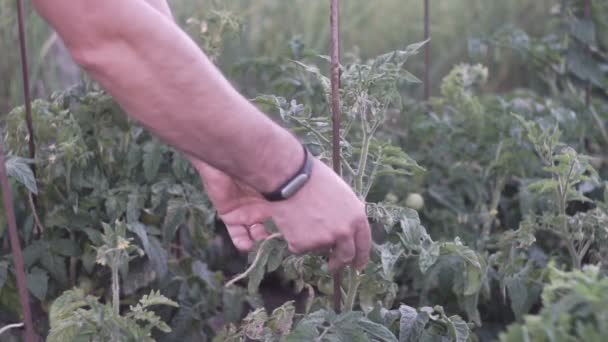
<point>414,201</point>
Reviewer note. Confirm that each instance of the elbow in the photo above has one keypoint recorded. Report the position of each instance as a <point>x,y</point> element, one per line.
<point>82,26</point>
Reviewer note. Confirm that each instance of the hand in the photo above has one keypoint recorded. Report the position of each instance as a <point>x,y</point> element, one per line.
<point>324,214</point>
<point>238,205</point>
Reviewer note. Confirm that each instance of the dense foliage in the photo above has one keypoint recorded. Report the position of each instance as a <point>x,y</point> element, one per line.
<point>489,211</point>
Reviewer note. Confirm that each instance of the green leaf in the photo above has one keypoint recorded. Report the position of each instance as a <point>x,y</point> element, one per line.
<point>176,216</point>
<point>65,247</point>
<point>377,330</point>
<point>154,298</point>
<point>307,327</point>
<point>153,154</point>
<point>281,319</point>
<point>201,270</point>
<point>389,254</point>
<point>411,324</point>
<point>257,274</point>
<point>583,30</point>
<point>428,256</point>
<point>3,273</point>
<point>459,330</point>
<point>276,256</point>
<point>19,169</point>
<point>157,255</point>
<point>56,266</point>
<point>140,230</point>
<point>134,206</point>
<point>33,252</point>
<point>37,282</point>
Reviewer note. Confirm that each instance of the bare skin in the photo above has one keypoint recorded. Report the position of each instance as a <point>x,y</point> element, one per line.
<point>161,78</point>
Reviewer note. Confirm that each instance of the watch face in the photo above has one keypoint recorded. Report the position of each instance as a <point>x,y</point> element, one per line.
<point>294,185</point>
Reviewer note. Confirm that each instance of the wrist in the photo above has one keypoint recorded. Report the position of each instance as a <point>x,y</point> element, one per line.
<point>283,157</point>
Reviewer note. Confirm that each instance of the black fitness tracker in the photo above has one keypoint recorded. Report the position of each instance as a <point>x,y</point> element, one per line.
<point>295,183</point>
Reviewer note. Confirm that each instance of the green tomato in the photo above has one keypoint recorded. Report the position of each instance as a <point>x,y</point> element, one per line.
<point>391,198</point>
<point>414,201</point>
<point>325,286</point>
<point>85,284</point>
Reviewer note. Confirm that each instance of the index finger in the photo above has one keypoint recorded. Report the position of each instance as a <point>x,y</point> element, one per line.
<point>363,243</point>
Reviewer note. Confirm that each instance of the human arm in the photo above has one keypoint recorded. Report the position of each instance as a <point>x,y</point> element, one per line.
<point>163,80</point>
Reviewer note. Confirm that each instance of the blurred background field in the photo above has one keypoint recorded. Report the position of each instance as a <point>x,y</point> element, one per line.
<point>368,27</point>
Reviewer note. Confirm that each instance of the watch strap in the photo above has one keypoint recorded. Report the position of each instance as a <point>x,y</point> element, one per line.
<point>295,183</point>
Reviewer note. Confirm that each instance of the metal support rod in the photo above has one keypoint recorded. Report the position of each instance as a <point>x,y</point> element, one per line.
<point>588,9</point>
<point>334,24</point>
<point>427,50</point>
<point>26,82</point>
<point>18,263</point>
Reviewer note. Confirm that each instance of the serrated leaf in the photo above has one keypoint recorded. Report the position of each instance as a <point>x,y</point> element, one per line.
<point>3,273</point>
<point>276,256</point>
<point>176,215</point>
<point>281,319</point>
<point>56,266</point>
<point>157,255</point>
<point>583,30</point>
<point>459,330</point>
<point>201,270</point>
<point>37,282</point>
<point>152,159</point>
<point>257,274</point>
<point>306,329</point>
<point>428,256</point>
<point>134,204</point>
<point>411,324</point>
<point>389,255</point>
<point>140,230</point>
<point>34,252</point>
<point>65,247</point>
<point>20,170</point>
<point>377,330</point>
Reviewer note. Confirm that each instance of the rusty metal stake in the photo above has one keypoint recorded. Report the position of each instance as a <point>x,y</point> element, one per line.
<point>588,9</point>
<point>334,23</point>
<point>427,50</point>
<point>18,263</point>
<point>30,335</point>
<point>26,82</point>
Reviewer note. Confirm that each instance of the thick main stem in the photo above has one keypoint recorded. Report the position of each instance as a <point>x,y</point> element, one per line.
<point>18,263</point>
<point>115,290</point>
<point>334,18</point>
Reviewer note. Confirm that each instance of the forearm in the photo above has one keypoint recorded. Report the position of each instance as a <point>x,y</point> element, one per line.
<point>163,80</point>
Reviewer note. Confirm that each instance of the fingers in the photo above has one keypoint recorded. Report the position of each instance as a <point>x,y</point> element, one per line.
<point>363,244</point>
<point>240,237</point>
<point>244,237</point>
<point>258,232</point>
<point>343,253</point>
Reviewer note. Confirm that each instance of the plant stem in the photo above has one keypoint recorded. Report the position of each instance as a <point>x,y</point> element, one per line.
<point>325,331</point>
<point>353,286</point>
<point>9,327</point>
<point>334,23</point>
<point>115,290</point>
<point>18,263</point>
<point>576,263</point>
<point>255,260</point>
<point>362,162</point>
